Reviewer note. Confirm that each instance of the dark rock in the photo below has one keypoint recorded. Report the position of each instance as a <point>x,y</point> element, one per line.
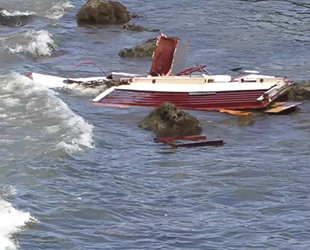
<point>14,21</point>
<point>143,50</point>
<point>100,12</point>
<point>301,91</point>
<point>135,27</point>
<point>167,120</point>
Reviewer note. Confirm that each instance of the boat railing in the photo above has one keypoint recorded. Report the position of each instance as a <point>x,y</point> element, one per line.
<point>260,79</point>
<point>184,79</point>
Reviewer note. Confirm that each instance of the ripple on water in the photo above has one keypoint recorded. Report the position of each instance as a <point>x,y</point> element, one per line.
<point>94,180</point>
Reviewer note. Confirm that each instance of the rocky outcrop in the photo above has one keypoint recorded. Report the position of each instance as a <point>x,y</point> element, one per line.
<point>135,27</point>
<point>14,20</point>
<point>167,120</point>
<point>143,50</point>
<point>301,91</point>
<point>100,12</point>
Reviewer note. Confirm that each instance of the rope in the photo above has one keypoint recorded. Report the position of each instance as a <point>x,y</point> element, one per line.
<point>82,63</point>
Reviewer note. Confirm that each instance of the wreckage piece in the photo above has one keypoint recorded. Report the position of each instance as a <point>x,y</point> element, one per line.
<point>197,92</point>
<point>273,108</point>
<point>282,107</point>
<point>169,82</point>
<point>87,85</point>
<point>169,57</point>
<point>199,141</point>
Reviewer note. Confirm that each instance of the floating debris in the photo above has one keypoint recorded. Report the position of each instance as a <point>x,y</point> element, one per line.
<point>199,141</point>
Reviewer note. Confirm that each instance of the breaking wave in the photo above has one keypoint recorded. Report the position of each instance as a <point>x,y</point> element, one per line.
<point>17,13</point>
<point>40,43</point>
<point>58,10</point>
<point>12,220</point>
<point>38,115</point>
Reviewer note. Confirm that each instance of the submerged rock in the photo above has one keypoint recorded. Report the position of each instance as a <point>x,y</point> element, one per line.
<point>136,16</point>
<point>143,50</point>
<point>100,12</point>
<point>135,27</point>
<point>245,120</point>
<point>168,120</point>
<point>301,91</point>
<point>14,20</point>
<point>241,120</point>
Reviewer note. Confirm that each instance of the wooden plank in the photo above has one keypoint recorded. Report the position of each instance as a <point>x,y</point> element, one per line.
<point>235,112</point>
<point>199,141</point>
<point>278,107</point>
<point>216,143</point>
<point>173,138</point>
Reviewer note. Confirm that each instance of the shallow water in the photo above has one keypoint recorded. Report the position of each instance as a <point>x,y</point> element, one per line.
<point>78,176</point>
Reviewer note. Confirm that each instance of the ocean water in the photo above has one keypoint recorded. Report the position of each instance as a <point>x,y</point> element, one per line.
<point>79,176</point>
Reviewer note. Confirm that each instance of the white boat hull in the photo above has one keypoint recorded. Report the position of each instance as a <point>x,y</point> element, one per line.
<point>76,84</point>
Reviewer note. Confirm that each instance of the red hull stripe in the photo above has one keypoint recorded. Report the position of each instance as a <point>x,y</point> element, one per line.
<point>219,100</point>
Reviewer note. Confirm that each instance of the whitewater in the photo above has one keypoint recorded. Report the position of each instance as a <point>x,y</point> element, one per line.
<point>79,176</point>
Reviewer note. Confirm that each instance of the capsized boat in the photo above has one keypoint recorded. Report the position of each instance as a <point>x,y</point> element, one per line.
<point>168,81</point>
